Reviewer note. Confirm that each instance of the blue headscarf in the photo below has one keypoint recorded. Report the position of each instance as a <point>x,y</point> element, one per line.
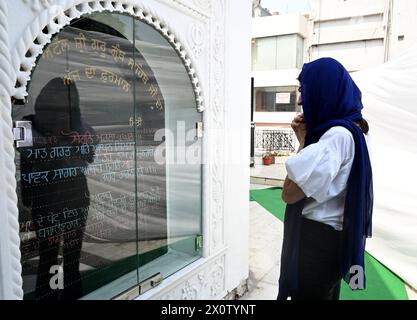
<point>331,98</point>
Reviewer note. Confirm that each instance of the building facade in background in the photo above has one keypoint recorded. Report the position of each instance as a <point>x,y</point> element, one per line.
<point>360,34</point>
<point>278,51</point>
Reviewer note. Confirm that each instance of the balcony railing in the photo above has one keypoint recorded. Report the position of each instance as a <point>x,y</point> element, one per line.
<point>275,140</point>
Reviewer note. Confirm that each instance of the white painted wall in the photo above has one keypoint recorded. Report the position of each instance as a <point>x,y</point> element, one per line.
<point>351,31</point>
<point>237,141</point>
<point>358,33</point>
<point>268,26</point>
<point>273,117</point>
<point>336,9</point>
<point>276,78</point>
<point>404,23</point>
<point>354,56</point>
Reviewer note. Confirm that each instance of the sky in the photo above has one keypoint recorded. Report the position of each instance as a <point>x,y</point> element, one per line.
<point>285,6</point>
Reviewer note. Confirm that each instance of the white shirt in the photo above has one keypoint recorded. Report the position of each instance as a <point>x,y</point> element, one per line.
<point>321,170</point>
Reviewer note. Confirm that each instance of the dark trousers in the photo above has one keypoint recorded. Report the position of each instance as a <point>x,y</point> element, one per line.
<point>319,275</point>
<point>48,257</point>
<point>49,250</point>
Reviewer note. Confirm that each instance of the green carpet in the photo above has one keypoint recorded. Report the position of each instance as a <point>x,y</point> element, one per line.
<point>382,283</point>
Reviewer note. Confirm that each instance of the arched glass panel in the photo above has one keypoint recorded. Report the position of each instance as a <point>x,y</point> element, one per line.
<point>110,190</point>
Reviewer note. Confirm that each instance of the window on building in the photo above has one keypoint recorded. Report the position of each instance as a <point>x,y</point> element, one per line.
<point>300,52</point>
<point>107,195</point>
<point>280,52</point>
<point>276,99</point>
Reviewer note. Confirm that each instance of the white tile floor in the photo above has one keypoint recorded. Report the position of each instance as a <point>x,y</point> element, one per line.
<point>273,171</point>
<point>266,233</point>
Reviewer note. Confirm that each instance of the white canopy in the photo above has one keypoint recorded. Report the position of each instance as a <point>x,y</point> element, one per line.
<point>390,106</point>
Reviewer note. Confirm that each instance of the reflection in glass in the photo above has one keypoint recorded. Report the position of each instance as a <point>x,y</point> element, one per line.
<point>99,208</point>
<point>179,175</point>
<point>55,188</point>
<point>90,86</point>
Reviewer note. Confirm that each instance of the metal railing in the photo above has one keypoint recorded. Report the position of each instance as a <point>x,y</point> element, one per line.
<point>275,140</point>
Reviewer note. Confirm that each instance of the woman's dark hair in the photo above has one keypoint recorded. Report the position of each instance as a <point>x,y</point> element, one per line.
<point>363,124</point>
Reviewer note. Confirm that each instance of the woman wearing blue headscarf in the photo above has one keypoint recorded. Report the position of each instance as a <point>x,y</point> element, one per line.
<point>328,188</point>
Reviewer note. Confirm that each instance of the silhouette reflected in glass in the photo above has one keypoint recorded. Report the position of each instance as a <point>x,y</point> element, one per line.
<point>54,187</point>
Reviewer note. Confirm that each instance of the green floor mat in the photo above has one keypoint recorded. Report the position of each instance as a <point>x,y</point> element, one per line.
<point>271,200</point>
<point>382,284</point>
